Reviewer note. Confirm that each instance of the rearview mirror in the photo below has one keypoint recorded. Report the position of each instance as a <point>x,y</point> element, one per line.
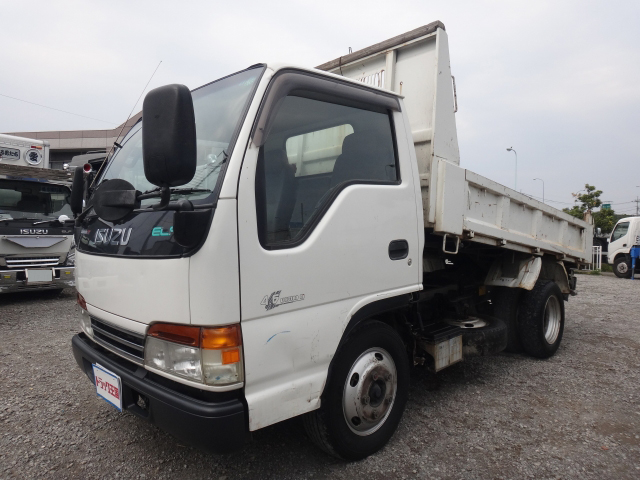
<point>169,136</point>
<point>77,191</point>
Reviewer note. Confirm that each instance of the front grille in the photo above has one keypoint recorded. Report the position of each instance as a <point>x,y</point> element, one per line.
<point>22,262</point>
<point>122,342</point>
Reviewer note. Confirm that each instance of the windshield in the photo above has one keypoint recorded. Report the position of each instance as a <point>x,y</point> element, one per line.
<point>32,200</point>
<point>218,109</point>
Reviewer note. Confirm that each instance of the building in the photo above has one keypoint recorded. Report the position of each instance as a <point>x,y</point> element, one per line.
<point>66,144</point>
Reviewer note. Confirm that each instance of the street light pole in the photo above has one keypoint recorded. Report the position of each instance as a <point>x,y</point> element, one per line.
<point>542,187</point>
<point>510,149</point>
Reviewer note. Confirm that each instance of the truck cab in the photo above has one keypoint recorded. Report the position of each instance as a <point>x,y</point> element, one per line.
<point>624,236</point>
<point>287,241</point>
<point>36,229</point>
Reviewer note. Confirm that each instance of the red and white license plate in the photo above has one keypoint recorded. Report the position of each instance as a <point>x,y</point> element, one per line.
<point>108,386</point>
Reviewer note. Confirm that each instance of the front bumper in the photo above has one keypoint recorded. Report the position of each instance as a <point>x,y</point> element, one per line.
<point>15,280</point>
<point>214,421</point>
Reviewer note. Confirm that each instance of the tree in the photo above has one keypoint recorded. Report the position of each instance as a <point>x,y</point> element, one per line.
<point>576,211</point>
<point>605,219</point>
<point>588,201</point>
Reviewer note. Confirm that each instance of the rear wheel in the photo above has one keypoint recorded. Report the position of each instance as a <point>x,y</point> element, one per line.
<point>622,268</point>
<point>365,394</point>
<point>505,306</point>
<point>541,320</point>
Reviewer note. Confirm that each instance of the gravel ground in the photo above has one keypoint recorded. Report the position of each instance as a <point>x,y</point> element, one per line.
<point>576,415</point>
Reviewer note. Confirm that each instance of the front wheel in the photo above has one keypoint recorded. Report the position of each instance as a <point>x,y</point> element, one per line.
<point>622,268</point>
<point>365,395</point>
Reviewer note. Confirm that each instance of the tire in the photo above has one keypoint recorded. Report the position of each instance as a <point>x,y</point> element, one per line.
<point>622,267</point>
<point>359,384</point>
<point>506,302</point>
<point>541,319</point>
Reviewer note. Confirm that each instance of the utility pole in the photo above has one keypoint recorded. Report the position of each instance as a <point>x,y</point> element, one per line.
<point>511,149</point>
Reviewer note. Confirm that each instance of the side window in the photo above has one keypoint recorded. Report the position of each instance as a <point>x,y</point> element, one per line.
<point>314,150</point>
<point>620,231</point>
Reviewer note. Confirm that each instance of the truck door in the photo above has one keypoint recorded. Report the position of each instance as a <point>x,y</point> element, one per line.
<point>328,223</point>
<point>619,239</point>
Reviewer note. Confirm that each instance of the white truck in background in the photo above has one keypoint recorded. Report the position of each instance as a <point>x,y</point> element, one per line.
<point>36,230</point>
<point>292,241</point>
<point>25,152</point>
<point>625,236</point>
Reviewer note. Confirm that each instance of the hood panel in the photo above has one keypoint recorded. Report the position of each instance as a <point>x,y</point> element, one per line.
<point>9,248</point>
<point>143,290</point>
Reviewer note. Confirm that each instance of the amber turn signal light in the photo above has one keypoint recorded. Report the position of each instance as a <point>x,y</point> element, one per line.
<point>208,338</point>
<point>231,356</point>
<point>221,337</point>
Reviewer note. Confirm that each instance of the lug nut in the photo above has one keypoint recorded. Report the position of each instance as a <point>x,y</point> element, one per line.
<point>388,377</point>
<point>375,376</point>
<point>365,400</point>
<point>374,414</point>
<point>388,400</point>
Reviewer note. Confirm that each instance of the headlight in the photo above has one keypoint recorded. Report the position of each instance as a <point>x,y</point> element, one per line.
<point>174,358</point>
<point>212,356</point>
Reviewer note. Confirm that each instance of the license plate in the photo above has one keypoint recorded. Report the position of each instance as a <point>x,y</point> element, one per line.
<point>39,276</point>
<point>108,386</point>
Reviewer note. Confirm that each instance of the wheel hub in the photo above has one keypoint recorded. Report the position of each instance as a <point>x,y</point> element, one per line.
<point>552,319</point>
<point>369,391</point>
<point>622,267</point>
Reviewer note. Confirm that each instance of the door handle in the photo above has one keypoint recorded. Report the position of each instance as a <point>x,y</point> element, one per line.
<point>398,249</point>
<point>624,244</point>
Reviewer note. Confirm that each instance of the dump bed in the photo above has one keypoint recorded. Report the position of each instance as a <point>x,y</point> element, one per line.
<point>457,202</point>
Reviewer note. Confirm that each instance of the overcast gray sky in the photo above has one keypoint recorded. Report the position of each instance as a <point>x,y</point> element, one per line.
<point>557,80</point>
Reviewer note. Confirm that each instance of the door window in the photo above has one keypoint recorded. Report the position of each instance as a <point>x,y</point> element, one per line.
<point>620,231</point>
<point>314,150</point>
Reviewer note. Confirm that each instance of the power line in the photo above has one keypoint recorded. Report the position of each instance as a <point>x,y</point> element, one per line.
<point>546,199</point>
<point>56,109</point>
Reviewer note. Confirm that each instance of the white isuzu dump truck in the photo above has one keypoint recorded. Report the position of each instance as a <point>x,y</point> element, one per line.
<point>25,152</point>
<point>290,241</point>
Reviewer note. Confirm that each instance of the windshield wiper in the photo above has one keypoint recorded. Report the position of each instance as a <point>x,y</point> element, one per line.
<point>19,218</point>
<point>49,220</point>
<point>156,192</point>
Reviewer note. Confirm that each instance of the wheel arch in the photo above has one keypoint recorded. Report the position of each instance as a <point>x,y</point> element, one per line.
<point>621,255</point>
<point>555,271</point>
<point>378,310</point>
